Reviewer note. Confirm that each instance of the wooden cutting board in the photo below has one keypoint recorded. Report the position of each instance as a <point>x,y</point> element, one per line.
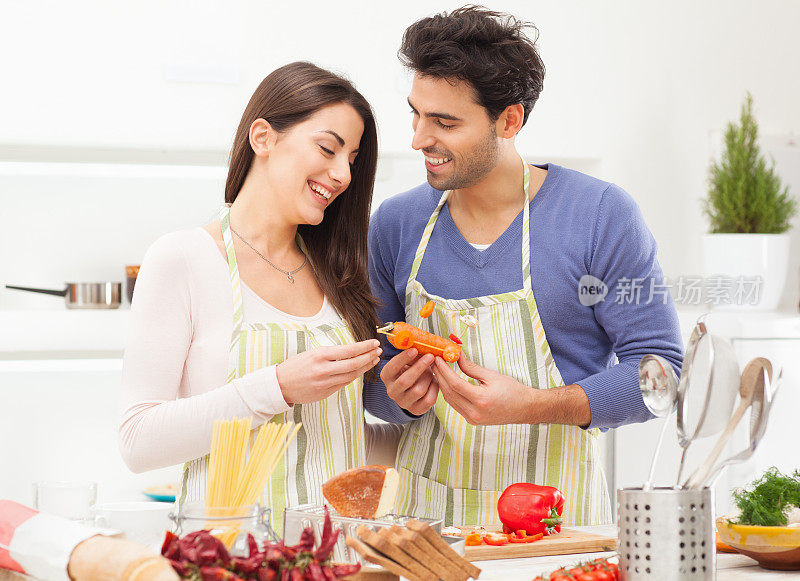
<point>566,542</point>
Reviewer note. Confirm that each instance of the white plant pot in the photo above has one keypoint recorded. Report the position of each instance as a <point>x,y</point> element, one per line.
<point>745,271</point>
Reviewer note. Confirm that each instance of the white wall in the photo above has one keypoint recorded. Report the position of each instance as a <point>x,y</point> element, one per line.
<point>639,85</point>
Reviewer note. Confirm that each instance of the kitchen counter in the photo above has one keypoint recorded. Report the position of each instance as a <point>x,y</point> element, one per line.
<point>730,567</point>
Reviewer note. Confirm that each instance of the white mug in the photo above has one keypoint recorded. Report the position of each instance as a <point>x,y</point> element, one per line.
<point>142,522</point>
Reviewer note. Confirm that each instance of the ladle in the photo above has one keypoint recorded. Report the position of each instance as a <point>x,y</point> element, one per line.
<point>659,386</point>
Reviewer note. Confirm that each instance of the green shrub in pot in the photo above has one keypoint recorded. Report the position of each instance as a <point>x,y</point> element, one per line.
<point>745,194</point>
<point>749,213</point>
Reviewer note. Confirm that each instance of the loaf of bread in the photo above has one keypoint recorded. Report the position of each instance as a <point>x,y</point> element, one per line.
<point>363,492</point>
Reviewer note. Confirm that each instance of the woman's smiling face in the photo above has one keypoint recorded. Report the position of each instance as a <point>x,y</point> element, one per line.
<point>309,165</point>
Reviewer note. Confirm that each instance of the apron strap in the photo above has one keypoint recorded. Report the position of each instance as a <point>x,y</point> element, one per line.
<point>236,286</point>
<point>526,232</point>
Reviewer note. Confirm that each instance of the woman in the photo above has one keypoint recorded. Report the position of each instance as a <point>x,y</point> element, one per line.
<point>265,312</point>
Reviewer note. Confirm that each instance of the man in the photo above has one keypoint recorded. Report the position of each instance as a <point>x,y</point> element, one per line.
<point>502,248</point>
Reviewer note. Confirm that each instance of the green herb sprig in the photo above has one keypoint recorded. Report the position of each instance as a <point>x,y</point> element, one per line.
<point>766,501</point>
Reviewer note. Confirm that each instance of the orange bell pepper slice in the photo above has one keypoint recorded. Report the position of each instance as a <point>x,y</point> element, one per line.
<point>472,540</point>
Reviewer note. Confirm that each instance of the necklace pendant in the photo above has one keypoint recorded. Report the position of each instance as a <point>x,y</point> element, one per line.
<point>290,277</point>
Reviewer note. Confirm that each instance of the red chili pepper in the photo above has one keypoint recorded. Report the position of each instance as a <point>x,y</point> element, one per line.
<point>314,572</point>
<point>307,540</point>
<point>454,339</point>
<point>266,574</point>
<point>217,574</point>
<point>532,508</point>
<point>496,539</point>
<point>328,540</point>
<point>343,570</point>
<point>169,548</point>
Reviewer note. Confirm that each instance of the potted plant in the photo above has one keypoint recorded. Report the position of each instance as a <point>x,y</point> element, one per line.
<point>746,253</point>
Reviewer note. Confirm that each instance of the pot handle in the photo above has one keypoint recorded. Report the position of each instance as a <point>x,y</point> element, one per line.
<point>58,293</point>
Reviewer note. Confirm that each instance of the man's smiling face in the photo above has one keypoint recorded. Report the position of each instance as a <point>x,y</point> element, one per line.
<point>456,135</point>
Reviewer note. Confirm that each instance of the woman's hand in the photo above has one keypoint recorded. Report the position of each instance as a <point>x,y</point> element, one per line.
<point>317,373</point>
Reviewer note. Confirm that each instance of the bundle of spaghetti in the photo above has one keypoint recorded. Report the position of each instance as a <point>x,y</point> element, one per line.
<point>235,478</point>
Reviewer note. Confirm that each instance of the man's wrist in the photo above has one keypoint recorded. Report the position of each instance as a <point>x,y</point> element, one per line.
<point>567,404</point>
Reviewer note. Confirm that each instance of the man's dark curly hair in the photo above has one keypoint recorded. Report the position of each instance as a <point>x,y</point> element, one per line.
<point>487,49</point>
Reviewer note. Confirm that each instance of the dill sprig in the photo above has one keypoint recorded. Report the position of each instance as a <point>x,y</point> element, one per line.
<point>765,503</point>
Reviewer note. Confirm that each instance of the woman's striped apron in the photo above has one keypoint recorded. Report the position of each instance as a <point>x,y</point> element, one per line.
<point>453,470</point>
<point>331,439</point>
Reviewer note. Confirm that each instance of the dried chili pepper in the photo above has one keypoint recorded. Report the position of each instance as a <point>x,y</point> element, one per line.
<point>343,570</point>
<point>314,572</point>
<point>328,540</point>
<point>267,574</point>
<point>307,540</point>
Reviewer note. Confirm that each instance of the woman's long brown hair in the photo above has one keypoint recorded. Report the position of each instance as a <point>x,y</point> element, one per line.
<point>338,245</point>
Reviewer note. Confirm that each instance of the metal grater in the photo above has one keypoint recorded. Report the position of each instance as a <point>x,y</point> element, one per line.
<point>296,518</point>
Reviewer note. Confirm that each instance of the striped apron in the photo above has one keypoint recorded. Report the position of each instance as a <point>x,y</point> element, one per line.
<point>331,439</point>
<point>453,470</point>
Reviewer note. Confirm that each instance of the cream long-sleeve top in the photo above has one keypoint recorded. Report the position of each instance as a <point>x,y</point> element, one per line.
<point>177,357</point>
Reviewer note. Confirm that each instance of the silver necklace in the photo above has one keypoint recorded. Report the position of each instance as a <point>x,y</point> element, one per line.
<point>289,273</point>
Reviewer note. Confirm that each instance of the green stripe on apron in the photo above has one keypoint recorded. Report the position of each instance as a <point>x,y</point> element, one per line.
<point>317,453</point>
<point>455,471</point>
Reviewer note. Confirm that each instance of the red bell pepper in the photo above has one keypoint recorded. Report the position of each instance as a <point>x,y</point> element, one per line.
<point>532,508</point>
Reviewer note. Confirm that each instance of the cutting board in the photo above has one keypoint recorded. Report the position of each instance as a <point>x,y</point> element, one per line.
<point>566,542</point>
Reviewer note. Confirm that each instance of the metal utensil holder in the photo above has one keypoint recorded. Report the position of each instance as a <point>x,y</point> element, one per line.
<point>296,518</point>
<point>666,534</point>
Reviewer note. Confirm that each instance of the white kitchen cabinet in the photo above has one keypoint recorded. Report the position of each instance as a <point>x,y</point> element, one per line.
<point>58,421</point>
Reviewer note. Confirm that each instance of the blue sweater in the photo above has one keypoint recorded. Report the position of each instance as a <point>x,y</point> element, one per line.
<point>579,226</point>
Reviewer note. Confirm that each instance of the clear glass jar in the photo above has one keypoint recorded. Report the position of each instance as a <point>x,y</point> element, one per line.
<point>229,524</point>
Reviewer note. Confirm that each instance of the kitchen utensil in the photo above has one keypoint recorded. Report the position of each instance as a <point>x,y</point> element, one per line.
<point>707,393</point>
<point>698,331</point>
<point>131,273</point>
<point>659,386</point>
<point>72,500</point>
<point>751,394</point>
<point>83,295</point>
<point>142,522</point>
<point>758,425</point>
<point>296,518</point>
<point>666,534</point>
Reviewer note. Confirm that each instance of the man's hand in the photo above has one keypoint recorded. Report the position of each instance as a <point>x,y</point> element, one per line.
<point>499,399</point>
<point>410,382</point>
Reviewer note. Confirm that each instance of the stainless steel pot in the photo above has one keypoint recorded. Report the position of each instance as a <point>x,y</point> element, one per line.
<point>84,295</point>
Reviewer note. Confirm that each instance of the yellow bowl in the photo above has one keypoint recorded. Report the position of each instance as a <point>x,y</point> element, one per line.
<point>772,547</point>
